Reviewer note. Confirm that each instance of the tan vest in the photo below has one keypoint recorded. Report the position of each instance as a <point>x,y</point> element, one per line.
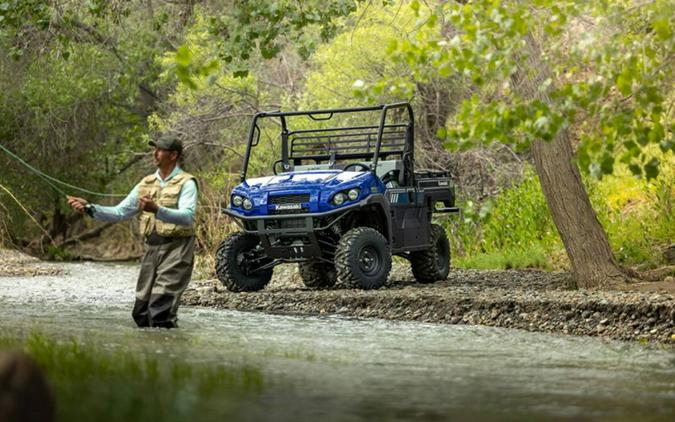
<point>167,197</point>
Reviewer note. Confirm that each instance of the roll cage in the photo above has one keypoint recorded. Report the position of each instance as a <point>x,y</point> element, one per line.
<point>366,143</point>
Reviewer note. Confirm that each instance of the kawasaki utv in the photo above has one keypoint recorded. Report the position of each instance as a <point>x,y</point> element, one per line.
<point>342,201</point>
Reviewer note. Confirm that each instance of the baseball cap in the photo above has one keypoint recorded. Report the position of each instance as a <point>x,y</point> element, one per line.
<point>169,142</point>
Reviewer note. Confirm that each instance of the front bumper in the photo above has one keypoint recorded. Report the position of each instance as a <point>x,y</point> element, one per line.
<point>291,237</point>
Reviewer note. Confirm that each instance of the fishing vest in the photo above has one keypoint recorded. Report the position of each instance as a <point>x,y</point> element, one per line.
<point>167,197</point>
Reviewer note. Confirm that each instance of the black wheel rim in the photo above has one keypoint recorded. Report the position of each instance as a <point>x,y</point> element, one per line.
<point>369,260</point>
<point>249,261</point>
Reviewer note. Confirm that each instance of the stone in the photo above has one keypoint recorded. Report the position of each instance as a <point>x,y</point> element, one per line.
<point>669,253</point>
<point>22,386</point>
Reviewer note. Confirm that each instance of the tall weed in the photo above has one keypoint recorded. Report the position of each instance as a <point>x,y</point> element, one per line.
<point>515,229</point>
<point>512,230</point>
<point>638,214</point>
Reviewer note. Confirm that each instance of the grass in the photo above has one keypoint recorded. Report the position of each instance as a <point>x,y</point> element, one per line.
<point>534,257</point>
<point>515,229</point>
<point>90,383</point>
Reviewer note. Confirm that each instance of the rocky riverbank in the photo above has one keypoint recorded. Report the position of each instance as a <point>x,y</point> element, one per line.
<point>529,300</point>
<point>18,264</point>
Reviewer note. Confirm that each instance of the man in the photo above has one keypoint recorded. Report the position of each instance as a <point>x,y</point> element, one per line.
<point>167,201</point>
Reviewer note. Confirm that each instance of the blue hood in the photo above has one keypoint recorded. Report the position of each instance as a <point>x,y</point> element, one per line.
<point>318,185</point>
<point>308,179</point>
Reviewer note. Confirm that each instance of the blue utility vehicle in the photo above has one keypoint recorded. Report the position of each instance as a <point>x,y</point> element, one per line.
<point>343,199</point>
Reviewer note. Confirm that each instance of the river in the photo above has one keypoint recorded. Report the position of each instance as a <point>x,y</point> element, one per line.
<point>337,368</point>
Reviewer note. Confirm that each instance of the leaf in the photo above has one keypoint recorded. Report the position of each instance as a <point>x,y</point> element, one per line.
<point>652,169</point>
<point>240,73</point>
<point>183,55</point>
<point>415,6</point>
<point>607,164</point>
<point>663,29</point>
<point>623,83</point>
<point>635,169</point>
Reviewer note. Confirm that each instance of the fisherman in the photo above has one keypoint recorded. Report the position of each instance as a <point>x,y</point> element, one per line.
<point>167,202</point>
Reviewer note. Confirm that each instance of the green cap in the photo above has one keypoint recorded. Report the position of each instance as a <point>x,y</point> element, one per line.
<point>169,142</point>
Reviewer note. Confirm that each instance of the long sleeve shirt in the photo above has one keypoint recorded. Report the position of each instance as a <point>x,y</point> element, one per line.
<point>183,215</point>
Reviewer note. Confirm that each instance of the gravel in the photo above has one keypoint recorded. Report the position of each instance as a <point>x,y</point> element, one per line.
<point>524,299</point>
<point>18,264</point>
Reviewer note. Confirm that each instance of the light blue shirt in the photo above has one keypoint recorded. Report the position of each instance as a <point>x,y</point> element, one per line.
<point>183,215</point>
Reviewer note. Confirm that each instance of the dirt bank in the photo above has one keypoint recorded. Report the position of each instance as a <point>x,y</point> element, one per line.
<point>530,300</point>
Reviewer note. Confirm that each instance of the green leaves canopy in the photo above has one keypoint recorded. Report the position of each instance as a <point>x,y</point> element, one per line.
<point>611,62</point>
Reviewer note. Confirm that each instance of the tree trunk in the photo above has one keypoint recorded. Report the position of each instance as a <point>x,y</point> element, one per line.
<point>585,240</point>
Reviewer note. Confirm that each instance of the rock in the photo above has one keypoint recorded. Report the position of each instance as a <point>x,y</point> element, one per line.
<point>532,300</point>
<point>24,393</point>
<point>669,253</point>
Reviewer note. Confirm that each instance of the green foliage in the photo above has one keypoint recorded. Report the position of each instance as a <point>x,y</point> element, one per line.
<point>513,224</point>
<point>515,229</point>
<point>357,54</point>
<point>639,215</point>
<point>75,96</point>
<point>533,257</point>
<point>604,67</point>
<point>261,25</point>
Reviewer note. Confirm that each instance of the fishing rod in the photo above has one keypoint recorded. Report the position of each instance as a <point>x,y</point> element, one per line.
<point>52,181</point>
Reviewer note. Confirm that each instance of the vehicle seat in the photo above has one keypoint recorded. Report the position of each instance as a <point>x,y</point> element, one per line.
<point>390,172</point>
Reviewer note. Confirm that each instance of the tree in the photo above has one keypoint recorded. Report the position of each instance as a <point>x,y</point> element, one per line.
<point>78,81</point>
<point>542,68</point>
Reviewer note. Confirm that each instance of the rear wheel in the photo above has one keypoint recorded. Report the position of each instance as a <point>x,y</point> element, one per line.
<point>238,263</point>
<point>317,275</point>
<point>434,263</point>
<point>363,259</point>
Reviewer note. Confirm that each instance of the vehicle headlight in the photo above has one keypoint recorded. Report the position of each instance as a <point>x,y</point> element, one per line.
<point>248,204</point>
<point>353,194</point>
<point>237,200</point>
<point>339,198</point>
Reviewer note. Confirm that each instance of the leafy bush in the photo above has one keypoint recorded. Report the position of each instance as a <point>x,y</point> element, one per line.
<point>637,214</point>
<point>512,230</point>
<point>515,229</point>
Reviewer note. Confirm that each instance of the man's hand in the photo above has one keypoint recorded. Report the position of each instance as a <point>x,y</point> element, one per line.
<point>78,204</point>
<point>147,204</point>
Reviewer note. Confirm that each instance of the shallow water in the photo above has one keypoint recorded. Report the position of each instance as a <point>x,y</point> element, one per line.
<point>346,369</point>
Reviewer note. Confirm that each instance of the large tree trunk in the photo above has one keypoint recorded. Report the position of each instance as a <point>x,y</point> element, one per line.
<point>585,240</point>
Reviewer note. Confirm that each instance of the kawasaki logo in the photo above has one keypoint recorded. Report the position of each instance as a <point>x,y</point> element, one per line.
<point>289,206</point>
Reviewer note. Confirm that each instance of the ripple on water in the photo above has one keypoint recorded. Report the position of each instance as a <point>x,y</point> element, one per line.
<point>426,369</point>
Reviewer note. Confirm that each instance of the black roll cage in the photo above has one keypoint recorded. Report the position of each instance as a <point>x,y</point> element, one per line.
<point>310,140</point>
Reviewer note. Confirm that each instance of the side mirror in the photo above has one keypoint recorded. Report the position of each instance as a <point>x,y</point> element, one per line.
<point>279,167</point>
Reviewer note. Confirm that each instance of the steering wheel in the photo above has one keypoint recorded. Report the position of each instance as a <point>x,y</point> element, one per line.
<point>363,166</point>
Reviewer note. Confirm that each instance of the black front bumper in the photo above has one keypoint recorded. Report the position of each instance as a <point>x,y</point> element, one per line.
<point>291,237</point>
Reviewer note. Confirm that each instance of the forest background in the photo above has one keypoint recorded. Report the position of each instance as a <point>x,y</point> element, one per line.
<point>85,84</point>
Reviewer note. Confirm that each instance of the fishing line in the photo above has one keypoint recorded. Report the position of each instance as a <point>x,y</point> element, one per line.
<point>51,181</point>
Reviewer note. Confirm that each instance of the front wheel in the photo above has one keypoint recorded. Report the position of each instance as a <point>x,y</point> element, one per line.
<point>363,259</point>
<point>239,262</point>
<point>434,263</point>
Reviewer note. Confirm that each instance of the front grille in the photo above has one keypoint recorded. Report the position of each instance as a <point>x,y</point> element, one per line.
<point>289,199</point>
<point>290,223</point>
<point>286,212</point>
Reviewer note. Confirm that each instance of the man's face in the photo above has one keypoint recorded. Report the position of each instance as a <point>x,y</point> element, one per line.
<point>162,157</point>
